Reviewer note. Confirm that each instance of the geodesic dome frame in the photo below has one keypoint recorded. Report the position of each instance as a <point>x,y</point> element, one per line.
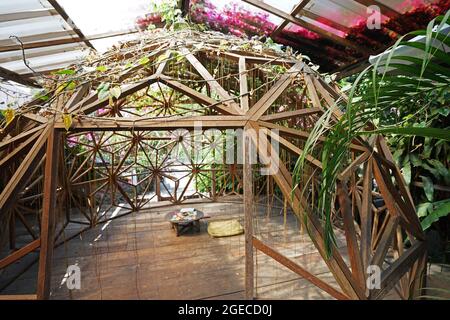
<point>101,134</point>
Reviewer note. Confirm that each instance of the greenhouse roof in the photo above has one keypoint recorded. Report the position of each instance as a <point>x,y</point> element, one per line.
<point>40,36</point>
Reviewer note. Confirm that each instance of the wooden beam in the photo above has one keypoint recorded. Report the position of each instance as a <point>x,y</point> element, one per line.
<point>330,102</point>
<point>291,147</point>
<point>121,124</point>
<point>290,114</point>
<point>404,190</point>
<point>351,168</point>
<point>22,174</point>
<point>38,37</point>
<point>350,234</point>
<point>291,265</point>
<point>12,76</point>
<point>211,81</point>
<point>77,96</point>
<point>299,7</point>
<point>283,178</point>
<point>20,137</point>
<point>19,150</point>
<point>274,92</point>
<point>366,214</point>
<point>304,135</point>
<point>50,43</point>
<point>80,108</point>
<point>258,60</point>
<point>18,297</point>
<point>243,85</point>
<point>391,276</point>
<point>248,217</point>
<point>385,241</point>
<point>48,219</point>
<point>395,203</point>
<point>70,22</point>
<point>35,117</point>
<point>195,95</point>
<point>18,254</point>
<point>24,15</point>
<point>418,277</point>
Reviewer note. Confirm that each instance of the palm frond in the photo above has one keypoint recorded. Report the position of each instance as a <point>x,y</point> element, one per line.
<point>393,82</point>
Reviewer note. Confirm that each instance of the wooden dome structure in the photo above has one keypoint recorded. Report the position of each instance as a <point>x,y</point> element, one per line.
<point>111,128</point>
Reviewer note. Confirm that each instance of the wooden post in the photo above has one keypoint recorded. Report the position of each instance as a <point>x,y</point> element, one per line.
<point>214,184</point>
<point>243,89</point>
<point>248,215</point>
<point>158,187</point>
<point>48,215</point>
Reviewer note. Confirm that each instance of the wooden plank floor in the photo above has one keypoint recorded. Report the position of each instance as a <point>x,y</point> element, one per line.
<point>139,257</point>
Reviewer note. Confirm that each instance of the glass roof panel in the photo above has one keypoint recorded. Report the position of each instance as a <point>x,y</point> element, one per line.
<point>31,30</point>
<point>284,5</point>
<point>345,12</point>
<point>9,6</point>
<point>105,15</point>
<point>39,52</point>
<point>324,26</point>
<point>48,62</point>
<point>403,6</point>
<point>29,27</point>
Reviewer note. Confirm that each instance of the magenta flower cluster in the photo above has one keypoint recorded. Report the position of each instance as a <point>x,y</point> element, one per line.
<point>232,19</point>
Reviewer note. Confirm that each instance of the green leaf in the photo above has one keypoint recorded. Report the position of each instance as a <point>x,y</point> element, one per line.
<point>102,68</point>
<point>442,210</point>
<point>441,169</point>
<point>423,209</point>
<point>115,92</point>
<point>128,66</point>
<point>103,94</point>
<point>71,85</point>
<point>67,118</point>
<point>9,114</point>
<point>103,90</point>
<point>397,154</point>
<point>44,97</point>
<point>428,187</point>
<point>144,61</point>
<point>61,88</point>
<point>65,72</point>
<point>435,133</point>
<point>407,173</point>
<point>415,160</point>
<point>444,111</point>
<point>430,169</point>
<point>103,86</point>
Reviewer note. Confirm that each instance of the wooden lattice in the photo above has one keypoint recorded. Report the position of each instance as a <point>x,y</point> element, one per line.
<point>91,147</point>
